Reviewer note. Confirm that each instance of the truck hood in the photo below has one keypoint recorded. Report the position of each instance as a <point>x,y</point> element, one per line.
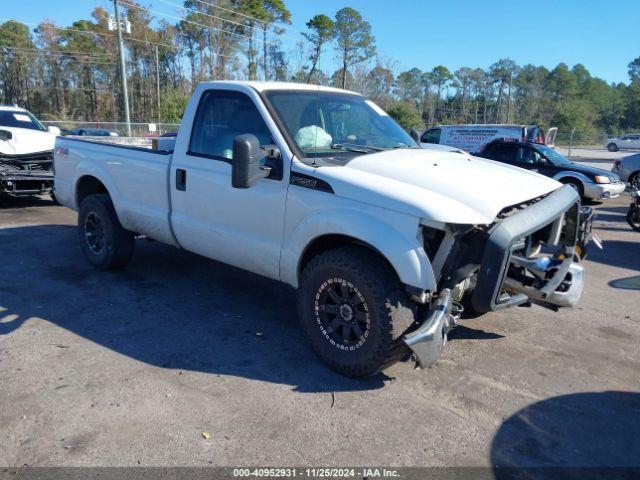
<point>26,141</point>
<point>435,185</point>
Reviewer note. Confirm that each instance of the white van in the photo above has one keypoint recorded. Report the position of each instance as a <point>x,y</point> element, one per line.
<point>472,137</point>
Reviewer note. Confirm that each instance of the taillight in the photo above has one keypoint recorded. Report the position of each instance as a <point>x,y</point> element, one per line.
<point>617,163</point>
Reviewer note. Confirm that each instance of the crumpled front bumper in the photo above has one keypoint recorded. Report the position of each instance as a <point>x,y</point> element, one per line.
<point>559,214</point>
<point>552,278</point>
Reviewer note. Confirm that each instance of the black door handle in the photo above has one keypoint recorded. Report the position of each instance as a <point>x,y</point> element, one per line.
<point>181,179</point>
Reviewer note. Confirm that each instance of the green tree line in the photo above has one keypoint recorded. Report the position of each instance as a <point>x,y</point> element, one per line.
<point>72,72</point>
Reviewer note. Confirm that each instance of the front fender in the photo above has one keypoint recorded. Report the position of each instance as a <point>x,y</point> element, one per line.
<point>404,253</point>
<point>570,174</point>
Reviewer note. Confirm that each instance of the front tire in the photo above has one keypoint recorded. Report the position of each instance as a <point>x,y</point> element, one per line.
<point>633,217</point>
<point>612,147</point>
<point>354,311</point>
<point>576,184</point>
<point>104,242</point>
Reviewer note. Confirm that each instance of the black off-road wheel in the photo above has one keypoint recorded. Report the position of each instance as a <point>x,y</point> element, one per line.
<point>104,242</point>
<point>354,311</point>
<point>612,147</point>
<point>634,180</point>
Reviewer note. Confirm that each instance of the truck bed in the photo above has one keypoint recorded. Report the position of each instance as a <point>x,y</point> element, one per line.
<point>136,176</point>
<point>161,145</point>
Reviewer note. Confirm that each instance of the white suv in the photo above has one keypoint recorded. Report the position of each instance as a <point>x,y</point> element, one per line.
<point>629,141</point>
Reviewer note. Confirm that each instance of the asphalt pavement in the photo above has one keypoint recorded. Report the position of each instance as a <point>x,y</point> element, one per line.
<point>131,367</point>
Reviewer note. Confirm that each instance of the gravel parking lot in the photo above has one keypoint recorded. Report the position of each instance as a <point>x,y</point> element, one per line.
<point>131,367</point>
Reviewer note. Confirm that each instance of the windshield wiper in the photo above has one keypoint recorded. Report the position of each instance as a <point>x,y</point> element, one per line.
<point>353,147</point>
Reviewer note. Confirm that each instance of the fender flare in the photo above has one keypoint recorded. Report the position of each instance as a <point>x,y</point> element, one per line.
<point>576,175</point>
<point>406,255</point>
<point>86,168</point>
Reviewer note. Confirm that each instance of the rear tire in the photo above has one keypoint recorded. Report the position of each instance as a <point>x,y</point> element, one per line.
<point>354,311</point>
<point>634,180</point>
<point>612,147</point>
<point>104,242</point>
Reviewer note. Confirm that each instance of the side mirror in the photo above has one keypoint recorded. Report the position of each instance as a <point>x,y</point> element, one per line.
<point>415,135</point>
<point>5,135</point>
<point>246,169</point>
<point>54,130</point>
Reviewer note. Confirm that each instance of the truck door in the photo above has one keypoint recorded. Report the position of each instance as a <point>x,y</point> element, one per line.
<point>241,227</point>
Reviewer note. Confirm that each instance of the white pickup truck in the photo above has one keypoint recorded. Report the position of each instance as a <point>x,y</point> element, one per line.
<point>319,188</point>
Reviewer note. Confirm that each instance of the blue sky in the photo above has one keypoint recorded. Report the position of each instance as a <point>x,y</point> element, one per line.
<point>602,35</point>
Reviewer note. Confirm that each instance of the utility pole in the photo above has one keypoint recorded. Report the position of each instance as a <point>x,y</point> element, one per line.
<point>123,69</point>
<point>509,102</point>
<point>158,83</point>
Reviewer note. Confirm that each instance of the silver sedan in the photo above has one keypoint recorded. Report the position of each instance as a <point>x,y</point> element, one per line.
<point>628,169</point>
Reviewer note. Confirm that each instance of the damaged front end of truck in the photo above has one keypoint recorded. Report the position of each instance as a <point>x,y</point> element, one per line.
<point>529,254</point>
<point>26,174</point>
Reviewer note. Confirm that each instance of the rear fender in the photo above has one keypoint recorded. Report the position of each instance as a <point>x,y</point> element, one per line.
<point>93,169</point>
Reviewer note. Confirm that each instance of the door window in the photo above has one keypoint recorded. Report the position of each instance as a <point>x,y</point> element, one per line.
<point>529,156</point>
<point>431,136</point>
<point>222,116</point>
<point>504,152</point>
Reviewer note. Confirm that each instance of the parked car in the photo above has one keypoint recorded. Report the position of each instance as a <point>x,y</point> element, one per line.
<point>589,182</point>
<point>319,188</point>
<point>26,153</point>
<point>625,142</point>
<point>94,132</point>
<point>473,137</point>
<point>628,168</point>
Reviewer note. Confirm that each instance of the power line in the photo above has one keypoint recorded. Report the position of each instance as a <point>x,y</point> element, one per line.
<point>246,16</point>
<point>223,19</point>
<point>55,52</point>
<point>139,40</point>
<point>33,55</point>
<point>150,10</point>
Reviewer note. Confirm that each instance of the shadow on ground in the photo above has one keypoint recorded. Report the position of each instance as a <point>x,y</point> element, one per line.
<point>585,430</point>
<point>462,332</point>
<point>169,308</point>
<point>21,202</point>
<point>628,283</point>
<point>617,253</point>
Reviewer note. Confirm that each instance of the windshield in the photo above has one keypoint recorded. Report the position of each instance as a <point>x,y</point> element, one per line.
<point>20,119</point>
<point>553,156</point>
<point>326,123</point>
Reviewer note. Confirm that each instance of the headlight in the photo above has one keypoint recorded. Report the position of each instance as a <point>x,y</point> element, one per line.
<point>602,179</point>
